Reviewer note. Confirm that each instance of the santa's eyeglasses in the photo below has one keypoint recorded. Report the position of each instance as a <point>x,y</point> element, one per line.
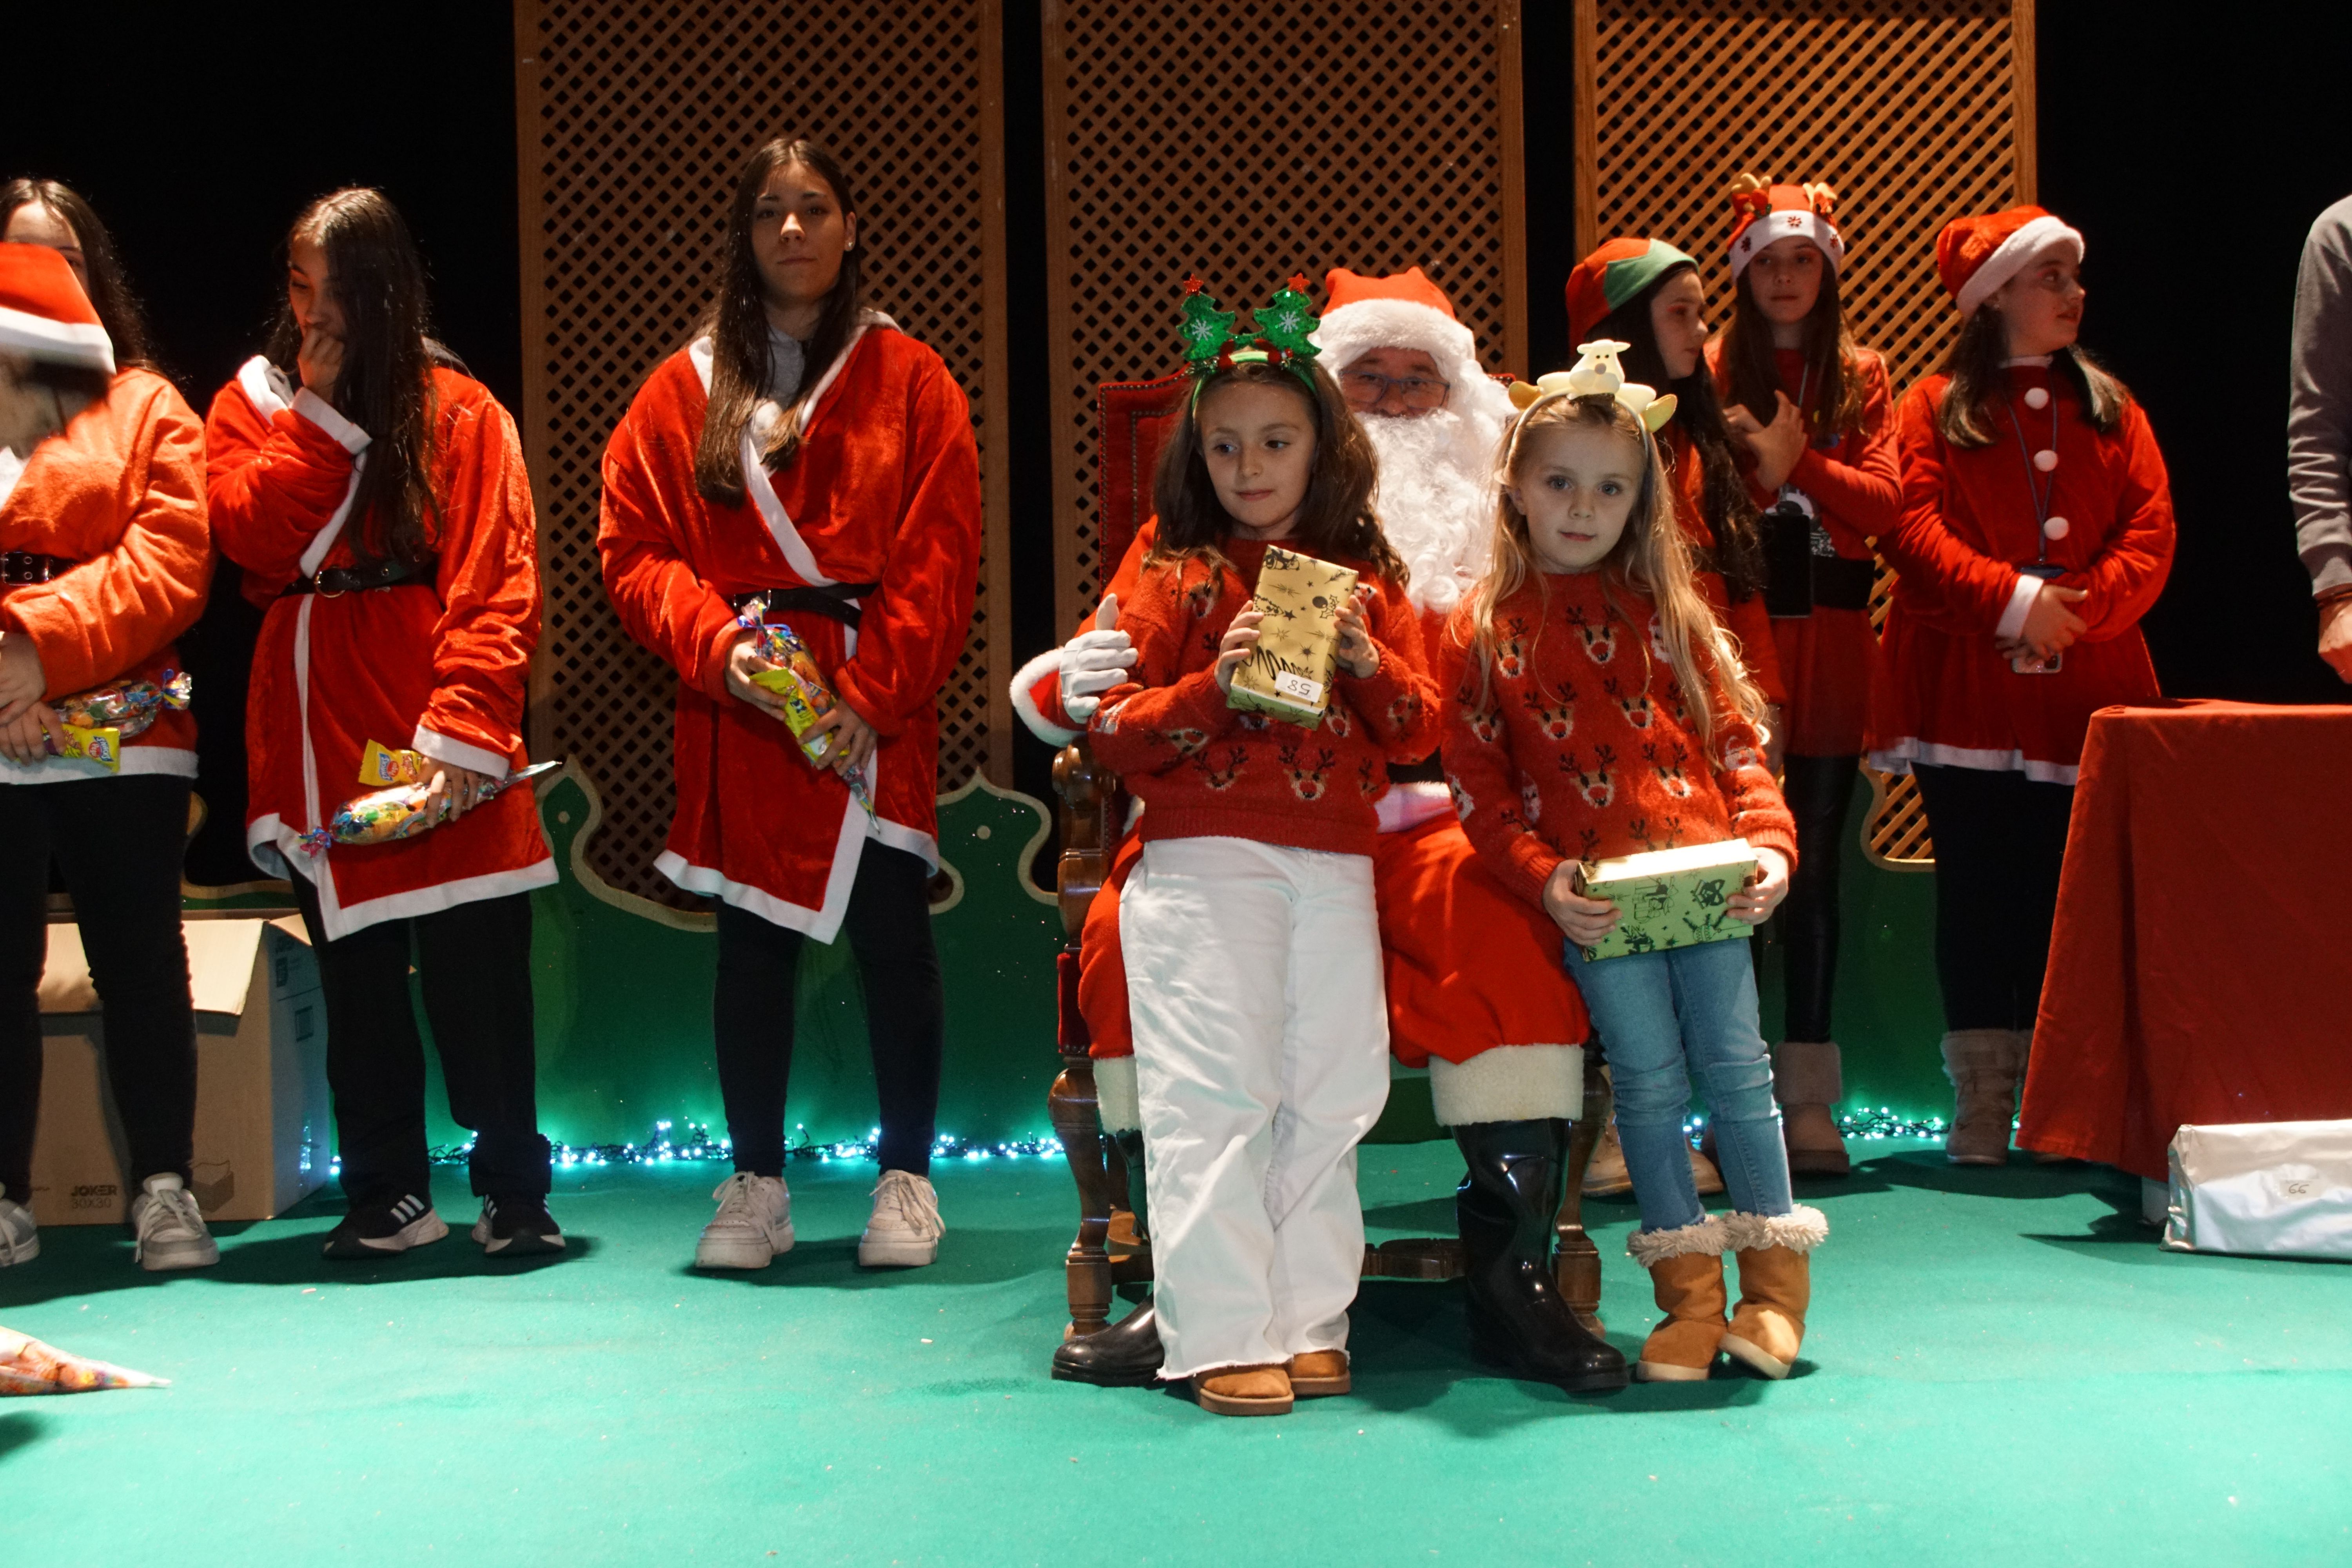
<point>1369,389</point>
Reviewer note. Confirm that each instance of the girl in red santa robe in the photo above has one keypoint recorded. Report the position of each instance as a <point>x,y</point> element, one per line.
<point>375,497</point>
<point>1816,413</point>
<point>804,452</point>
<point>2036,530</point>
<point>104,560</point>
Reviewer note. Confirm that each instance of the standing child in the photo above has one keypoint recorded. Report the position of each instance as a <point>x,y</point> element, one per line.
<point>1252,952</point>
<point>2036,531</point>
<point>1599,712</point>
<point>1814,411</point>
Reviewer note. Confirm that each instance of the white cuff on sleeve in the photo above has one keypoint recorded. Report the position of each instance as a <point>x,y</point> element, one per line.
<point>321,413</point>
<point>2021,600</point>
<point>456,753</point>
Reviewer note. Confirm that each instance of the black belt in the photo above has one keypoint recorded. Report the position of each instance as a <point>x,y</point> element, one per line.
<point>833,603</point>
<point>22,566</point>
<point>333,581</point>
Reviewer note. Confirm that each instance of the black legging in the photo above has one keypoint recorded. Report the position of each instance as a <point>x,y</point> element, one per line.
<point>2000,838</point>
<point>1819,790</point>
<point>119,842</point>
<point>889,928</point>
<point>473,965</point>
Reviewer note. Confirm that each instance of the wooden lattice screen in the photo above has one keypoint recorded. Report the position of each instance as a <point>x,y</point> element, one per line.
<point>633,121</point>
<point>1917,112</point>
<point>1243,140</point>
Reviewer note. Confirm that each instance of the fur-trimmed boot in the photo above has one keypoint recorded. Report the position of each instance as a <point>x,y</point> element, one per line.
<point>1768,1325</point>
<point>1505,1209</point>
<point>1984,1066</point>
<point>1686,1279</point>
<point>1807,1080</point>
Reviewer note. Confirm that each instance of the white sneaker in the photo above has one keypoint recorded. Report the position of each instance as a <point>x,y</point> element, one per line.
<point>905,1230</point>
<point>20,1238</point>
<point>171,1231</point>
<point>753,1225</point>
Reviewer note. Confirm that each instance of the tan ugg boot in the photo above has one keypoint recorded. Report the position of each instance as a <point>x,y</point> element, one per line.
<point>1604,1174</point>
<point>1686,1281</point>
<point>1768,1325</point>
<point>1243,1391</point>
<point>1314,1373</point>
<point>1808,1079</point>
<point>1984,1066</point>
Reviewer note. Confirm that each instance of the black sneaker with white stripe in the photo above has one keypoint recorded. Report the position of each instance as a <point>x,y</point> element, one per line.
<point>379,1230</point>
<point>519,1227</point>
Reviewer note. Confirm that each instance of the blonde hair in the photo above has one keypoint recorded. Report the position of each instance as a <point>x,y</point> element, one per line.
<point>1649,560</point>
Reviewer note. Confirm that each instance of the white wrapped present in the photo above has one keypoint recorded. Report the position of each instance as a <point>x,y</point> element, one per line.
<point>2278,1189</point>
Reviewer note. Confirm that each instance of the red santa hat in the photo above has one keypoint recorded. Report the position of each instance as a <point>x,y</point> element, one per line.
<point>1975,256</point>
<point>1762,214</point>
<point>1402,311</point>
<point>44,312</point>
<point>1612,275</point>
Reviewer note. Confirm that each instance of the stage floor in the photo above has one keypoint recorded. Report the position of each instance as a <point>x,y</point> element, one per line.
<point>2005,1369</point>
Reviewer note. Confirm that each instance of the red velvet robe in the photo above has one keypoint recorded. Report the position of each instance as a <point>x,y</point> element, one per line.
<point>886,490</point>
<point>121,491</point>
<point>436,664</point>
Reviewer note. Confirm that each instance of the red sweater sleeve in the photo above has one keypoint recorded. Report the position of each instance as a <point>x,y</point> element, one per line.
<point>648,476</point>
<point>1173,685</point>
<point>915,625</point>
<point>274,481</point>
<point>489,587</point>
<point>117,609</point>
<point>1956,587</point>
<point>1483,778</point>
<point>1398,699</point>
<point>1861,500</point>
<point>2130,569</point>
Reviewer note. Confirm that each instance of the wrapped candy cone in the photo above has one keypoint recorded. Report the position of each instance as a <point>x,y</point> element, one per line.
<point>796,678</point>
<point>401,812</point>
<point>28,1366</point>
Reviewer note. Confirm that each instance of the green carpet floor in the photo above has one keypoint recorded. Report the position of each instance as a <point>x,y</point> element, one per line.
<point>2005,1370</point>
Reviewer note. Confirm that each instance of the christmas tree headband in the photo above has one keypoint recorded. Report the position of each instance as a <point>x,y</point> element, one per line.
<point>1282,323</point>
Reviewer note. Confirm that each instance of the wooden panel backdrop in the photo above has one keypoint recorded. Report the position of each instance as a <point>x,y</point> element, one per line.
<point>1242,142</point>
<point>1917,112</point>
<point>633,123</point>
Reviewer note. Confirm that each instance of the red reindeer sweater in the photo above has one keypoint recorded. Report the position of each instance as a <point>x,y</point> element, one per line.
<point>1580,747</point>
<point>1204,770</point>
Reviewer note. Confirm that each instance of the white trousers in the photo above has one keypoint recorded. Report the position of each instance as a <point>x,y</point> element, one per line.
<point>1261,1058</point>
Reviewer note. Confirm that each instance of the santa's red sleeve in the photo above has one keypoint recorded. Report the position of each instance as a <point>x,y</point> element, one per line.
<point>1954,587</point>
<point>1398,699</point>
<point>2129,572</point>
<point>489,587</point>
<point>1037,684</point>
<point>275,479</point>
<point>1861,500</point>
<point>1480,771</point>
<point>912,628</point>
<point>640,542</point>
<point>127,602</point>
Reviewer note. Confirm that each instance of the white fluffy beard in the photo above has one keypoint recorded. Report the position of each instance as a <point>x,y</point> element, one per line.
<point>1437,498</point>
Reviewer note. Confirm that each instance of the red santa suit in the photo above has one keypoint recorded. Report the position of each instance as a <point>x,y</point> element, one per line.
<point>1467,966</point>
<point>437,663</point>
<point>881,508</point>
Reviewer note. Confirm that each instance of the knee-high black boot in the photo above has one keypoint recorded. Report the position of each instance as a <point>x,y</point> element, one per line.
<point>1505,1208</point>
<point>1127,1353</point>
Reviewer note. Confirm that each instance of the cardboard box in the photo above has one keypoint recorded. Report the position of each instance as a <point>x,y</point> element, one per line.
<point>1288,673</point>
<point>264,1136</point>
<point>1672,898</point>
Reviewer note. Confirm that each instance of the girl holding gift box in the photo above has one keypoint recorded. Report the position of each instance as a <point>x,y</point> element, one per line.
<point>1251,948</point>
<point>1816,415</point>
<point>104,560</point>
<point>376,499</point>
<point>1599,712</point>
<point>2036,530</point>
<point>804,452</point>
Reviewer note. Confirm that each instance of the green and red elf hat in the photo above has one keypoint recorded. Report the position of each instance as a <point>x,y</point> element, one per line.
<point>1612,275</point>
<point>1975,256</point>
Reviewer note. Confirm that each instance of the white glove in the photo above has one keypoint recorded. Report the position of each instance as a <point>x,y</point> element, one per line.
<point>1095,661</point>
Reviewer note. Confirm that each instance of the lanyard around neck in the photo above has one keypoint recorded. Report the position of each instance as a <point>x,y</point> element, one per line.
<point>2035,487</point>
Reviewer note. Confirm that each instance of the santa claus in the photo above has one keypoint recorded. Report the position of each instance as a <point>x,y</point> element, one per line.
<point>1476,992</point>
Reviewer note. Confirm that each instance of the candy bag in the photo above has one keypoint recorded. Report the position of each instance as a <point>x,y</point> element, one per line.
<point>28,1366</point>
<point>397,812</point>
<point>796,680</point>
<point>97,722</point>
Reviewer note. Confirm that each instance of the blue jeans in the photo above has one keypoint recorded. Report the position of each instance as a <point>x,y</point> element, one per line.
<point>1661,1014</point>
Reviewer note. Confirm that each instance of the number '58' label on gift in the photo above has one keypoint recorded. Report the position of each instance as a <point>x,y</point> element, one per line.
<point>1290,683</point>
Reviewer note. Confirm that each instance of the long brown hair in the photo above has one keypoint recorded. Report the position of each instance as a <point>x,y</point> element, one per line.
<point>386,386</point>
<point>737,324</point>
<point>1831,361</point>
<point>109,293</point>
<point>1978,364</point>
<point>1731,512</point>
<point>1651,560</point>
<point>1337,516</point>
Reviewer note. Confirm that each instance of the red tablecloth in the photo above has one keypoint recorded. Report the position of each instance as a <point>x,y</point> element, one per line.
<point>2200,969</point>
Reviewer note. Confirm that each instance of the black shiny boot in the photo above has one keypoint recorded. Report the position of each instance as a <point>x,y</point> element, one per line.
<point>1125,1355</point>
<point>1505,1208</point>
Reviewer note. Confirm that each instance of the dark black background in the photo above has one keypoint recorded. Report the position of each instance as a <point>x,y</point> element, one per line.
<point>199,134</point>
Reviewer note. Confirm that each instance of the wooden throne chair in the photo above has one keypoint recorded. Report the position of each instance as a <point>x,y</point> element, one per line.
<point>1133,420</point>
